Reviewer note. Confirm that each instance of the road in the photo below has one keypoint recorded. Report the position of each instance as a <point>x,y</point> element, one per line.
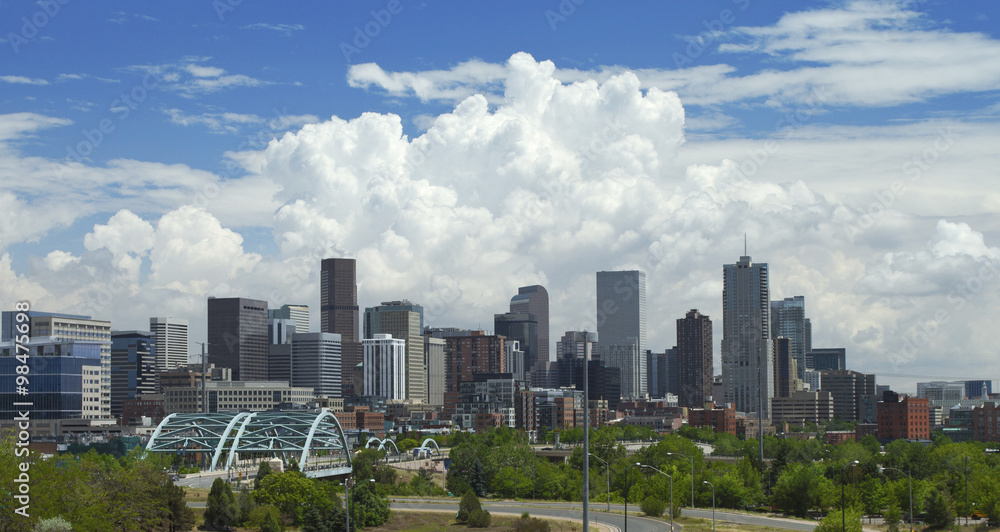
<point>616,519</point>
<point>597,513</point>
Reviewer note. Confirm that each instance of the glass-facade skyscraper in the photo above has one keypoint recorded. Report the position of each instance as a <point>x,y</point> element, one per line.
<point>747,359</point>
<point>621,318</point>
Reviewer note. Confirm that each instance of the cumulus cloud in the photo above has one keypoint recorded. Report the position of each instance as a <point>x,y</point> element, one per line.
<point>547,181</point>
<point>864,52</point>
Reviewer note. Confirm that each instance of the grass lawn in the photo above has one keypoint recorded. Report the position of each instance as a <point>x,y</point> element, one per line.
<point>702,525</point>
<point>434,521</point>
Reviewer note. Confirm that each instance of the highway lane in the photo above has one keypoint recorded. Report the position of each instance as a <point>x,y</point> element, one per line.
<point>598,509</point>
<point>616,521</point>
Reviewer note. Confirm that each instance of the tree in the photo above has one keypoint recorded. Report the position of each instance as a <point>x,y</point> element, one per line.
<point>832,522</point>
<point>939,511</point>
<point>367,508</point>
<point>467,505</point>
<point>222,509</point>
<point>271,523</point>
<point>800,488</point>
<point>263,470</point>
<point>892,516</point>
<point>292,493</point>
<point>265,517</point>
<point>653,506</point>
<point>177,517</point>
<point>480,519</point>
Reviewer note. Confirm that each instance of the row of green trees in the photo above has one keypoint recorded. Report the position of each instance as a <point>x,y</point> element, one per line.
<point>93,492</point>
<point>290,498</point>
<point>800,476</point>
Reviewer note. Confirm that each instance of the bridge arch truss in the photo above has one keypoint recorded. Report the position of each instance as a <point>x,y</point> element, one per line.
<point>312,438</point>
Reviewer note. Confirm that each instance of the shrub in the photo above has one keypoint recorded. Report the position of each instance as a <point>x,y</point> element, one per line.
<point>222,509</point>
<point>468,505</point>
<point>261,516</point>
<point>653,507</point>
<point>53,524</point>
<point>479,519</point>
<point>530,524</point>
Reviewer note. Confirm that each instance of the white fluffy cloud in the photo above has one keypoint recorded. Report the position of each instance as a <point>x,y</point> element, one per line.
<point>547,182</point>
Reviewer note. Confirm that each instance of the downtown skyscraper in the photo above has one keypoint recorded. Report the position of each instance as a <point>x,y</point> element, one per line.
<point>621,324</point>
<point>237,336</point>
<point>788,320</point>
<point>694,359</point>
<point>338,302</point>
<point>403,320</point>
<point>747,361</point>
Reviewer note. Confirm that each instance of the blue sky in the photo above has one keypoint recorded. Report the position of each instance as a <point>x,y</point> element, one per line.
<point>460,150</point>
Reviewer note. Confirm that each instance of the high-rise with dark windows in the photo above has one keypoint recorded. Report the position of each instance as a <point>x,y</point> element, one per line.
<point>237,336</point>
<point>747,360</point>
<point>339,314</point>
<point>694,359</point>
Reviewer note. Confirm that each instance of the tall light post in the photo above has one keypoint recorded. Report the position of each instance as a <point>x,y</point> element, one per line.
<point>843,507</point>
<point>966,490</point>
<point>607,477</point>
<point>628,487</point>
<point>910,477</point>
<point>671,509</point>
<point>692,474</point>
<point>347,501</point>
<point>713,503</point>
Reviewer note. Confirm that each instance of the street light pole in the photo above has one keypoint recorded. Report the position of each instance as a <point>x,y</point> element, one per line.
<point>966,490</point>
<point>843,507</point>
<point>713,503</point>
<point>347,501</point>
<point>628,486</point>
<point>671,510</point>
<point>692,474</point>
<point>910,477</point>
<point>607,477</point>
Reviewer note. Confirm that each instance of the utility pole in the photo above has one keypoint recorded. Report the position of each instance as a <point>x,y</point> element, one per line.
<point>204,371</point>
<point>586,431</point>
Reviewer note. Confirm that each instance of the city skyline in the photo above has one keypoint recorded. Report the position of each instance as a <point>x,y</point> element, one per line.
<point>852,143</point>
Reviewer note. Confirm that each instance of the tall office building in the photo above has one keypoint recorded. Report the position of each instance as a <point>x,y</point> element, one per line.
<point>521,328</point>
<point>788,320</point>
<point>694,359</point>
<point>621,308</point>
<point>747,361</point>
<point>403,320</point>
<point>73,328</point>
<point>854,397</point>
<point>621,321</point>
<point>656,374</point>
<point>299,313</point>
<point>65,378</point>
<point>279,347</point>
<point>385,366</point>
<point>171,338</point>
<point>339,313</point>
<point>824,358</point>
<point>467,356</point>
<point>533,300</point>
<point>237,336</point>
<point>632,368</point>
<point>133,367</point>
<point>786,380</point>
<point>434,362</point>
<point>316,359</point>
<point>572,350</point>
